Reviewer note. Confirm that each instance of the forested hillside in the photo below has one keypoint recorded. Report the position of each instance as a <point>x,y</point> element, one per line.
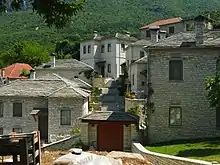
<point>105,16</point>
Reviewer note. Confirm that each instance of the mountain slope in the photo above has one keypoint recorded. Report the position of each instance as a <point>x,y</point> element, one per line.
<point>105,16</point>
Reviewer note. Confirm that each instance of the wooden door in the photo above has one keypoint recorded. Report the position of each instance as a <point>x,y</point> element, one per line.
<point>43,127</point>
<point>110,137</point>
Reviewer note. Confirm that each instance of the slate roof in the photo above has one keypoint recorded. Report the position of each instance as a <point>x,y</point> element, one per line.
<point>117,36</point>
<point>59,87</point>
<point>163,22</point>
<point>67,64</point>
<point>188,39</point>
<point>142,60</point>
<point>13,71</point>
<point>110,116</point>
<point>141,43</point>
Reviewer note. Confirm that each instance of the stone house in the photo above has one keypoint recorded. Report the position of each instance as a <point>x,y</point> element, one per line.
<point>67,68</point>
<point>171,26</point>
<point>14,72</point>
<point>177,106</point>
<point>109,130</point>
<point>106,54</point>
<point>51,105</point>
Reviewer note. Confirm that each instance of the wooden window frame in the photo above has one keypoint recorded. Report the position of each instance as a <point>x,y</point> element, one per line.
<point>173,78</point>
<point>109,68</point>
<point>84,49</point>
<point>61,117</point>
<point>141,54</point>
<point>102,48</point>
<point>173,30</point>
<point>109,47</point>
<point>14,114</point>
<point>89,49</point>
<point>1,131</point>
<point>175,125</point>
<point>148,35</point>
<point>1,109</point>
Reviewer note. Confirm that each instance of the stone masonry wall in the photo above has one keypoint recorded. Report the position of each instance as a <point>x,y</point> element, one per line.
<point>198,120</point>
<point>127,137</point>
<point>27,122</point>
<point>57,131</point>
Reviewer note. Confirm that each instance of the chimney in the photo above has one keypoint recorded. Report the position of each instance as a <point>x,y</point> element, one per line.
<point>53,60</point>
<point>95,33</point>
<point>128,34</point>
<point>154,33</point>
<point>3,73</point>
<point>200,27</point>
<point>162,34</point>
<point>32,74</point>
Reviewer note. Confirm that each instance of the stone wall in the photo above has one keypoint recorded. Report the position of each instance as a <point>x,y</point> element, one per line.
<point>64,144</point>
<point>57,131</point>
<point>198,119</point>
<point>27,122</point>
<point>162,159</point>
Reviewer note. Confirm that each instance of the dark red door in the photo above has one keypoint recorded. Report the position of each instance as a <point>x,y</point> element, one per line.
<point>110,137</point>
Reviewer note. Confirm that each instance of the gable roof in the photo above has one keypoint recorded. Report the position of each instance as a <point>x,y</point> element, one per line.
<point>56,87</point>
<point>13,71</point>
<point>141,42</point>
<point>113,36</point>
<point>163,22</point>
<point>188,39</point>
<point>110,116</point>
<point>67,64</point>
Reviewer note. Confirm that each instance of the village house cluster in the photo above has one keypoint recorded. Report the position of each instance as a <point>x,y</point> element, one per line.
<point>165,68</point>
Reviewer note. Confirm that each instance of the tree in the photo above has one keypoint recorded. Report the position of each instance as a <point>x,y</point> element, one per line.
<point>55,12</point>
<point>26,52</point>
<point>213,88</point>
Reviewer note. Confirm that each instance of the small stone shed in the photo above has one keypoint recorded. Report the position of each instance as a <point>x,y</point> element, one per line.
<point>109,130</point>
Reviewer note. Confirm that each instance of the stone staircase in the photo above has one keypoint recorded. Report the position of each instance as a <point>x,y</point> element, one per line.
<point>111,100</point>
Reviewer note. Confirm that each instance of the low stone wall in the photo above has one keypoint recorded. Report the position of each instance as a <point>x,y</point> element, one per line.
<point>63,144</point>
<point>163,159</point>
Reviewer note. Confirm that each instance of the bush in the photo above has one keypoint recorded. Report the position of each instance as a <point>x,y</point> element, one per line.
<point>81,145</point>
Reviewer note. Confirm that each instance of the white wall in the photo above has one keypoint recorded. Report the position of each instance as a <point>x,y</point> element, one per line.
<point>85,107</point>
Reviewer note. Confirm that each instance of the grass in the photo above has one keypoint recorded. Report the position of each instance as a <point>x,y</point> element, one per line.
<point>207,150</point>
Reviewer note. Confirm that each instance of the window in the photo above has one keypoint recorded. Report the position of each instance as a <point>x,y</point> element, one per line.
<point>175,116</point>
<point>122,47</point>
<point>1,131</point>
<point>190,26</point>
<point>89,49</point>
<point>84,49</point>
<point>141,54</point>
<point>1,109</point>
<point>176,70</point>
<point>65,117</point>
<point>133,79</point>
<point>109,47</point>
<point>171,30</point>
<point>102,48</point>
<point>218,65</point>
<point>142,83</point>
<point>17,109</point>
<point>17,130</point>
<point>148,34</point>
<point>109,68</point>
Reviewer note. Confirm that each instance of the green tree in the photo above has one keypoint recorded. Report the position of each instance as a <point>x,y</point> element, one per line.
<point>55,12</point>
<point>26,52</point>
<point>213,88</point>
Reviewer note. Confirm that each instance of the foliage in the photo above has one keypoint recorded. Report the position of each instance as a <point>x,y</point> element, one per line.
<point>75,131</point>
<point>54,12</point>
<point>80,144</point>
<point>205,150</point>
<point>26,52</point>
<point>95,94</point>
<point>134,111</point>
<point>213,88</point>
<point>24,73</point>
<point>130,95</point>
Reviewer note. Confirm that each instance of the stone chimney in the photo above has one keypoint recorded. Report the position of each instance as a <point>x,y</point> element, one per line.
<point>200,27</point>
<point>53,60</point>
<point>32,74</point>
<point>162,34</point>
<point>3,73</point>
<point>154,33</point>
<point>95,33</point>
